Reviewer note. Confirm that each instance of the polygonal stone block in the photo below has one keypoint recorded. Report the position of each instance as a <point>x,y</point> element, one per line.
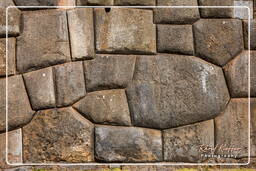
<point>243,13</point>
<point>58,135</point>
<point>173,90</point>
<point>113,71</point>
<point>218,40</point>
<point>106,107</point>
<point>252,34</point>
<point>44,40</point>
<point>69,82</point>
<point>176,15</point>
<point>175,39</point>
<point>40,88</point>
<point>127,144</point>
<point>135,2</point>
<point>125,31</point>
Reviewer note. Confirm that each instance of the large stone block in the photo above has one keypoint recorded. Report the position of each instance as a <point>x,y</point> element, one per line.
<point>183,144</point>
<point>19,109</point>
<point>218,40</point>
<point>176,15</point>
<point>125,31</point>
<point>105,107</point>
<point>135,2</point>
<point>40,87</point>
<point>113,71</point>
<point>175,39</point>
<point>127,144</point>
<point>44,40</point>
<point>81,32</point>
<point>252,34</point>
<point>58,135</point>
<point>173,90</point>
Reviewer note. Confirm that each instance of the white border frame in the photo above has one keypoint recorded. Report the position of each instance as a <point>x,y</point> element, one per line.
<point>132,164</point>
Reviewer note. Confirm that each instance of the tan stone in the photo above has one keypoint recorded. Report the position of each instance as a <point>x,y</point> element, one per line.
<point>252,34</point>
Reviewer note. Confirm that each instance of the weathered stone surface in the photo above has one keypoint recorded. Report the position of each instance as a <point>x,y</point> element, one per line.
<point>236,72</point>
<point>81,32</point>
<point>183,144</point>
<point>176,15</point>
<point>127,144</point>
<point>58,135</point>
<point>125,31</point>
<point>40,88</point>
<point>70,83</point>
<point>252,34</point>
<point>173,90</point>
<point>95,2</point>
<point>113,71</point>
<point>175,39</point>
<point>135,2</point>
<point>243,13</point>
<point>44,40</point>
<point>106,107</point>
<point>11,56</point>
<point>216,12</point>
<point>19,109</point>
<point>218,40</point>
<point>45,2</point>
<point>253,127</point>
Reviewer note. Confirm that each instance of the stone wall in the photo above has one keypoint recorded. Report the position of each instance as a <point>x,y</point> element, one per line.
<point>127,85</point>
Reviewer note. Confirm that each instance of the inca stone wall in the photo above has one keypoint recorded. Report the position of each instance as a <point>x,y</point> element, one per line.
<point>127,85</point>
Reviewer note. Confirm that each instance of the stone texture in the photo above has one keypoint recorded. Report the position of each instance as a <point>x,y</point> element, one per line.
<point>105,107</point>
<point>236,73</point>
<point>81,32</point>
<point>58,135</point>
<point>216,12</point>
<point>10,57</point>
<point>45,2</point>
<point>95,2</point>
<point>173,90</point>
<point>218,40</point>
<point>176,15</point>
<point>242,13</point>
<point>135,2</point>
<point>125,31</point>
<point>113,71</point>
<point>253,127</point>
<point>252,34</point>
<point>44,40</point>
<point>182,144</point>
<point>19,109</point>
<point>175,39</point>
<point>127,144</point>
<point>70,83</point>
<point>40,87</point>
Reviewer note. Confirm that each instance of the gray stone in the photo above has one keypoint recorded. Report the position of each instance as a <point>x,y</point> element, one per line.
<point>113,71</point>
<point>172,90</point>
<point>19,109</point>
<point>58,135</point>
<point>218,40</point>
<point>175,39</point>
<point>127,144</point>
<point>252,34</point>
<point>81,32</point>
<point>243,13</point>
<point>125,31</point>
<point>95,2</point>
<point>69,82</point>
<point>45,2</point>
<point>176,15</point>
<point>44,40</point>
<point>135,2</point>
<point>105,107</point>
<point>183,144</point>
<point>40,87</point>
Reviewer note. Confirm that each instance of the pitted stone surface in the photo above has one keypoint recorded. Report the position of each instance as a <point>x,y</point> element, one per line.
<point>19,109</point>
<point>125,31</point>
<point>173,90</point>
<point>127,144</point>
<point>45,2</point>
<point>105,107</point>
<point>135,2</point>
<point>252,34</point>
<point>113,71</point>
<point>182,144</point>
<point>70,83</point>
<point>34,48</point>
<point>81,32</point>
<point>218,40</point>
<point>176,15</point>
<point>40,88</point>
<point>58,135</point>
<point>175,39</point>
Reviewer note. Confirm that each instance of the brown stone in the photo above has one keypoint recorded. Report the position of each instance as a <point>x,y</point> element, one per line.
<point>45,2</point>
<point>253,127</point>
<point>125,31</point>
<point>58,135</point>
<point>105,107</point>
<point>252,34</point>
<point>44,40</point>
<point>127,144</point>
<point>95,2</point>
<point>135,2</point>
